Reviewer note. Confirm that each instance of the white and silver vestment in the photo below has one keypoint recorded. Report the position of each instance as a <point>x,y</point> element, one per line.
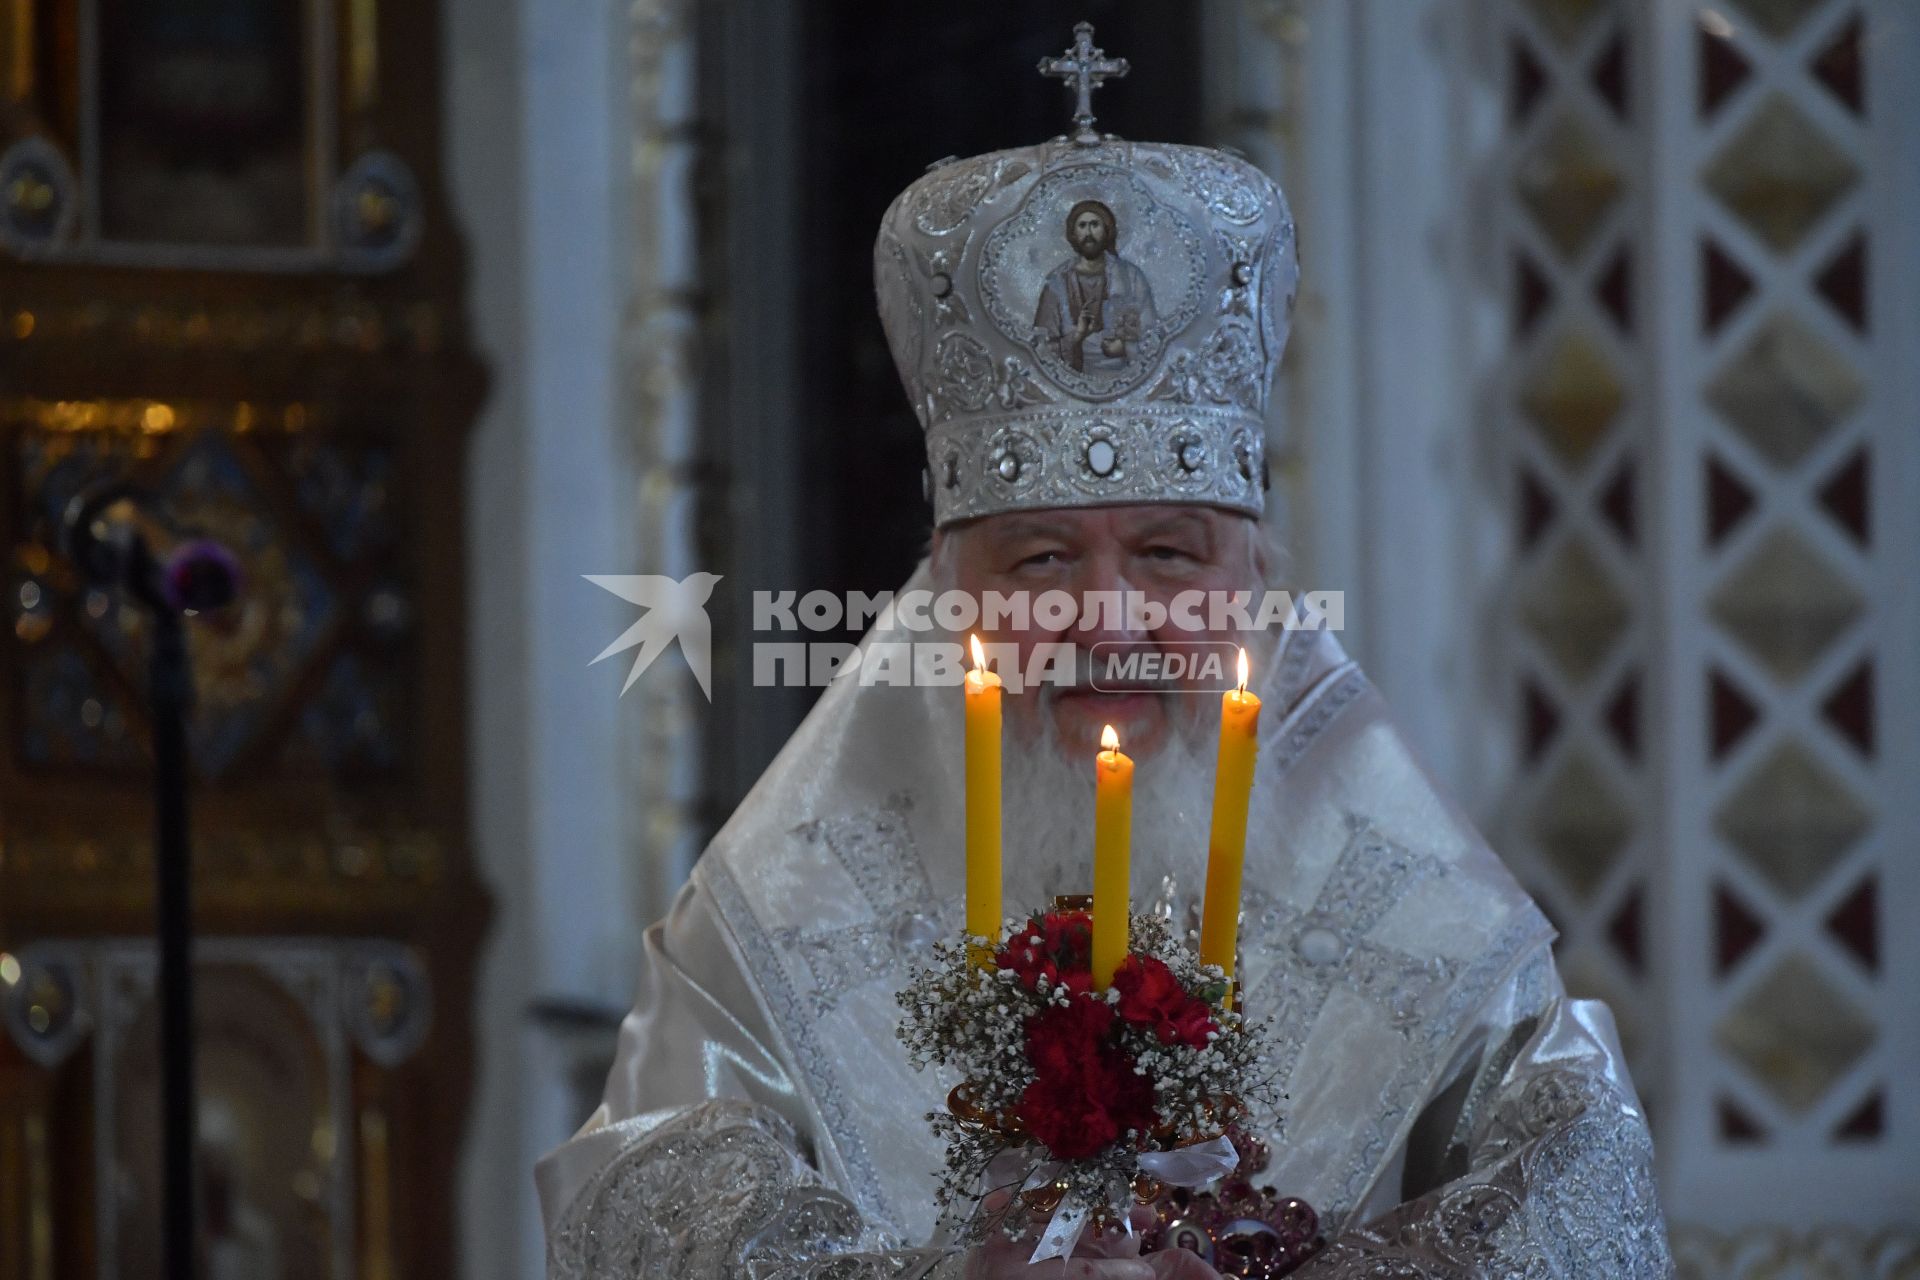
<point>1450,1112</point>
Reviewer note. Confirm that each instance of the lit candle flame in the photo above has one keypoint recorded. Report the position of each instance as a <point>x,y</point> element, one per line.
<point>1243,671</point>
<point>980,656</point>
<point>1109,740</point>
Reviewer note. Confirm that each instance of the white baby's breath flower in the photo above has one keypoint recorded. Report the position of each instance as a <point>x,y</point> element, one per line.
<point>974,1022</point>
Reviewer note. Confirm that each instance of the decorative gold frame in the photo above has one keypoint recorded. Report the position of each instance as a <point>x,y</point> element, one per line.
<point>152,347</point>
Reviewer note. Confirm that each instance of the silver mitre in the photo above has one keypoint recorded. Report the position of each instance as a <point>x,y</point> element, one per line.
<point>1090,321</point>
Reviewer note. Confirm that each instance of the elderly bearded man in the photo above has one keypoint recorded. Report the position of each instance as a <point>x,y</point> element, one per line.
<point>1449,1111</point>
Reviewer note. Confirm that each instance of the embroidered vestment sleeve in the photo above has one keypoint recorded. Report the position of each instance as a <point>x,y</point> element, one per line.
<point>721,1190</point>
<point>698,1162</point>
<point>1546,1156</point>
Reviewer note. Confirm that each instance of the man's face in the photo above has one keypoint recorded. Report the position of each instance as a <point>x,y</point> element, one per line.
<point>1089,234</point>
<point>1158,551</point>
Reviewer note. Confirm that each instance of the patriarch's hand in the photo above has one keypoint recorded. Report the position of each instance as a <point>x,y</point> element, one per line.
<point>1109,1256</point>
<point>1003,1259</point>
<point>1178,1264</point>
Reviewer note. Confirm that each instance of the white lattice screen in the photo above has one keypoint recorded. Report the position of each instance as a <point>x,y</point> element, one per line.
<point>1575,389</point>
<point>1785,212</point>
<point>1708,437</point>
<point>1698,417</point>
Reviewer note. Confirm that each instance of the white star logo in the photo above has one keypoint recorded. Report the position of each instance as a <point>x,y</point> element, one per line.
<point>674,610</point>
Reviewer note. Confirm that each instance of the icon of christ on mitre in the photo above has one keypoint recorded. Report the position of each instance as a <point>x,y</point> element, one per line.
<point>1095,426</point>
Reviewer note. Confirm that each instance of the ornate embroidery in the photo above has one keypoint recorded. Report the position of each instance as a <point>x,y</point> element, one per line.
<point>944,204</point>
<point>1533,992</point>
<point>963,374</point>
<point>1325,946</point>
<point>1181,383</point>
<point>1230,369</point>
<point>1527,931</point>
<point>903,296</point>
<point>797,1024</point>
<point>1294,656</point>
<point>1276,312</point>
<point>1565,1191</point>
<point>1016,388</point>
<point>1169,244</point>
<point>1429,999</point>
<point>877,852</point>
<point>939,268</point>
<point>1214,178</point>
<point>719,1191</point>
<point>1227,372</point>
<point>1432,1000</point>
<point>1027,457</point>
<point>1316,711</point>
<point>1242,256</point>
<point>907,1265</point>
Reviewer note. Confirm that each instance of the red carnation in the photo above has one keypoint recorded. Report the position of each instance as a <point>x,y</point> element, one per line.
<point>1078,1112</point>
<point>1069,936</point>
<point>1062,1038</point>
<point>1192,1026</point>
<point>1148,990</point>
<point>1057,947</point>
<point>1085,1093</point>
<point>1060,1112</point>
<point>1150,996</point>
<point>1127,1094</point>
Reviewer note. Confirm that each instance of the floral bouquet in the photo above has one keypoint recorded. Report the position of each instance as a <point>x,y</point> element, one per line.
<point>1076,1102</point>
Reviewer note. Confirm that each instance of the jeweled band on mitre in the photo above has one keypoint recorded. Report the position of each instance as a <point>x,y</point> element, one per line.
<point>1089,322</point>
<point>1075,455</point>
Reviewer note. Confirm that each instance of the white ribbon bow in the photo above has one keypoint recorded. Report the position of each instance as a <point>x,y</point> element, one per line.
<point>1189,1167</point>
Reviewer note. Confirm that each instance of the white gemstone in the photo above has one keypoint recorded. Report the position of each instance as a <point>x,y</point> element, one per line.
<point>1009,467</point>
<point>1320,946</point>
<point>915,930</point>
<point>1101,457</point>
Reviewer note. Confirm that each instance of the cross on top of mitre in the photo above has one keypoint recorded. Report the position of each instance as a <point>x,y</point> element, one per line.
<point>1084,67</point>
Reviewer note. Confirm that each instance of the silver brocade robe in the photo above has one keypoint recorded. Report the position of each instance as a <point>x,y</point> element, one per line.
<point>1449,1111</point>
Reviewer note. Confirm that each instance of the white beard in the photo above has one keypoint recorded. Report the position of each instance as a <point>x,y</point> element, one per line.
<point>1047,799</point>
<point>1048,820</point>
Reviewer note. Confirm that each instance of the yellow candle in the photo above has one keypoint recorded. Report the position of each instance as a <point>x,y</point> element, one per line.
<point>1112,841</point>
<point>983,798</point>
<point>1227,846</point>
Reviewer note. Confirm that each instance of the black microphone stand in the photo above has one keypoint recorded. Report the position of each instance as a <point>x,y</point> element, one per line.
<point>117,556</point>
<point>170,691</point>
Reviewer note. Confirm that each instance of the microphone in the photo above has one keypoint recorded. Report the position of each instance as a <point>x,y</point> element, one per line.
<point>196,576</point>
<point>110,549</point>
<point>200,575</point>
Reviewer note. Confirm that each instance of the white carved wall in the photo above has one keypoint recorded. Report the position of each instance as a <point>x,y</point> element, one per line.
<point>1603,411</point>
<point>1785,203</point>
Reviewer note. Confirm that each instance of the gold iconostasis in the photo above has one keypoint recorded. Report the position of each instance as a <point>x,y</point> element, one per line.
<point>228,276</point>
